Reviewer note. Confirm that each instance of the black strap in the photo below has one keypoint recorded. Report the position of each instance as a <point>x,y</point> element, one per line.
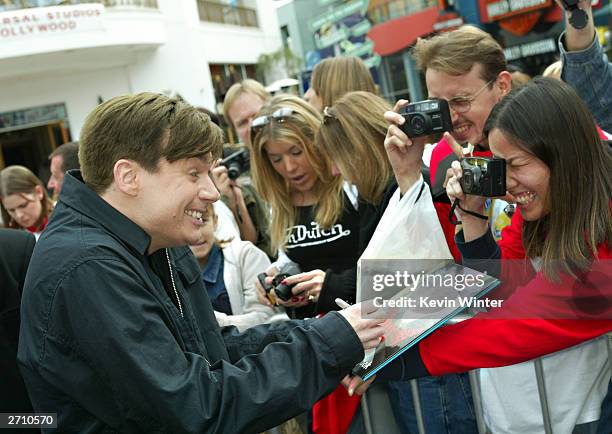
<point>452,216</point>
<point>420,192</point>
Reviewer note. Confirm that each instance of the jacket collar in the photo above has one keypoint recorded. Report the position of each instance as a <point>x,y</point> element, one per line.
<point>80,197</point>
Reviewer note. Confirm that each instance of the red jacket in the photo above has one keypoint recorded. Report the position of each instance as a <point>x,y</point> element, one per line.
<point>539,318</point>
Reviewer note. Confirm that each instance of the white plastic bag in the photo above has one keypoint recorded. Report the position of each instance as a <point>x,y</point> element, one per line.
<point>408,229</point>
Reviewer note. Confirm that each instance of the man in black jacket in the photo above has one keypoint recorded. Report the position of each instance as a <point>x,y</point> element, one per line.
<point>119,334</point>
<point>15,252</point>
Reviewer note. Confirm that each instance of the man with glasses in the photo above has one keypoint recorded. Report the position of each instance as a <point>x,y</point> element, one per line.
<point>467,68</point>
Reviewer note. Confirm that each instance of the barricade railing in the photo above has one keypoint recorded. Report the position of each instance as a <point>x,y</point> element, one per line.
<point>372,423</point>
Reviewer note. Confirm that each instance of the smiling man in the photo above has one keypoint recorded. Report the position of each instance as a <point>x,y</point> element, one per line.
<point>118,333</point>
<point>467,67</point>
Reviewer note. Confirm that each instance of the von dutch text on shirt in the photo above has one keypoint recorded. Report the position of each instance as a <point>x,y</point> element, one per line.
<point>303,236</point>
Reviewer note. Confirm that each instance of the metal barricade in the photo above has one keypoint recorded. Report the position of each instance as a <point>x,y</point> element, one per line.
<point>372,423</point>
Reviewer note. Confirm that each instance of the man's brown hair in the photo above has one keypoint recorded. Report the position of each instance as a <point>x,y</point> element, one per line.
<point>70,155</point>
<point>144,128</point>
<point>456,52</point>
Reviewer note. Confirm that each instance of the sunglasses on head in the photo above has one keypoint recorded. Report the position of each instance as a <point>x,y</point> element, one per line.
<point>260,122</point>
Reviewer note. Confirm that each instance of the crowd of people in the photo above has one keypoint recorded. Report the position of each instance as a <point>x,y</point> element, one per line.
<point>138,283</point>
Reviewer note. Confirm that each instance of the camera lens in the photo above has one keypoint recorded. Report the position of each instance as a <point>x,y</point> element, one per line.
<point>418,124</point>
<point>233,171</point>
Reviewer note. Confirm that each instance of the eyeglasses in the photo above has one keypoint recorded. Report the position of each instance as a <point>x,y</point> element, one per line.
<point>260,122</point>
<point>463,104</point>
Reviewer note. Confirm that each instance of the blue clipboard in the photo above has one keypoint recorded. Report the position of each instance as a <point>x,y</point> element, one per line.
<point>417,324</point>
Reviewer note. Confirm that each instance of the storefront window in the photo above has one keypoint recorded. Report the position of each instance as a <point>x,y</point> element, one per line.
<point>396,83</point>
<point>398,8</point>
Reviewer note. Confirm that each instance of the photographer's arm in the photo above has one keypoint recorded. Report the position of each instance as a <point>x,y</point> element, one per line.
<point>404,154</point>
<point>586,67</point>
<point>248,232</point>
<point>235,201</point>
<point>579,39</point>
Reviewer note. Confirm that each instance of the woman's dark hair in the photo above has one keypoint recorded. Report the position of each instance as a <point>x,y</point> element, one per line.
<point>547,119</point>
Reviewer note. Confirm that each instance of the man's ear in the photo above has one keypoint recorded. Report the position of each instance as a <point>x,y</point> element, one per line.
<point>126,176</point>
<point>504,82</point>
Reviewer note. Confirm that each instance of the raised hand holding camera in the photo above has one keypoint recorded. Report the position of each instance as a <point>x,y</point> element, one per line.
<point>578,13</point>
<point>471,205</point>
<point>578,18</point>
<point>404,153</point>
<point>425,118</point>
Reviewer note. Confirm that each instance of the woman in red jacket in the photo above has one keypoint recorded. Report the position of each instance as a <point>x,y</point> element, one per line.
<point>558,172</point>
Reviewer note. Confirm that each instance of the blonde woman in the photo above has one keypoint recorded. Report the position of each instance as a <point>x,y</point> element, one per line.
<point>334,77</point>
<point>352,135</point>
<point>314,222</point>
<point>24,202</point>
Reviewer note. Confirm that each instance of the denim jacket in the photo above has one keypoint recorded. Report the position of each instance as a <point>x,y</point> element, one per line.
<point>590,73</point>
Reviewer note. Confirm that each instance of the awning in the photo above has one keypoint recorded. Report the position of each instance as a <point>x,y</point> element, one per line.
<point>397,34</point>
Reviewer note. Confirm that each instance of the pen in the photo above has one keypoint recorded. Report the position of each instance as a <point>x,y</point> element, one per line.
<point>341,303</point>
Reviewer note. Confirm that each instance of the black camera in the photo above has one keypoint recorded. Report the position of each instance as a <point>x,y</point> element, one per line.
<point>577,17</point>
<point>426,117</point>
<point>236,160</point>
<point>483,176</point>
<point>281,290</point>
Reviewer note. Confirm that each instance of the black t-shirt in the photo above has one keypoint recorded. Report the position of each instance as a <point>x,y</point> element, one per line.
<point>313,247</point>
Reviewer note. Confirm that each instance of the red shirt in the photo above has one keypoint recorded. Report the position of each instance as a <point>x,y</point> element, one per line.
<point>539,318</point>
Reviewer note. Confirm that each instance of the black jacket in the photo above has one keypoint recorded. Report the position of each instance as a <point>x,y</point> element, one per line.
<point>15,251</point>
<point>104,344</point>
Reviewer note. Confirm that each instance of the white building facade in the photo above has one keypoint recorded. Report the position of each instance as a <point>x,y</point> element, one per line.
<point>58,62</point>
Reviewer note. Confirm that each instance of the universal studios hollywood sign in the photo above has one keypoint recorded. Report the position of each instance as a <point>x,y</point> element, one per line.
<point>51,20</point>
